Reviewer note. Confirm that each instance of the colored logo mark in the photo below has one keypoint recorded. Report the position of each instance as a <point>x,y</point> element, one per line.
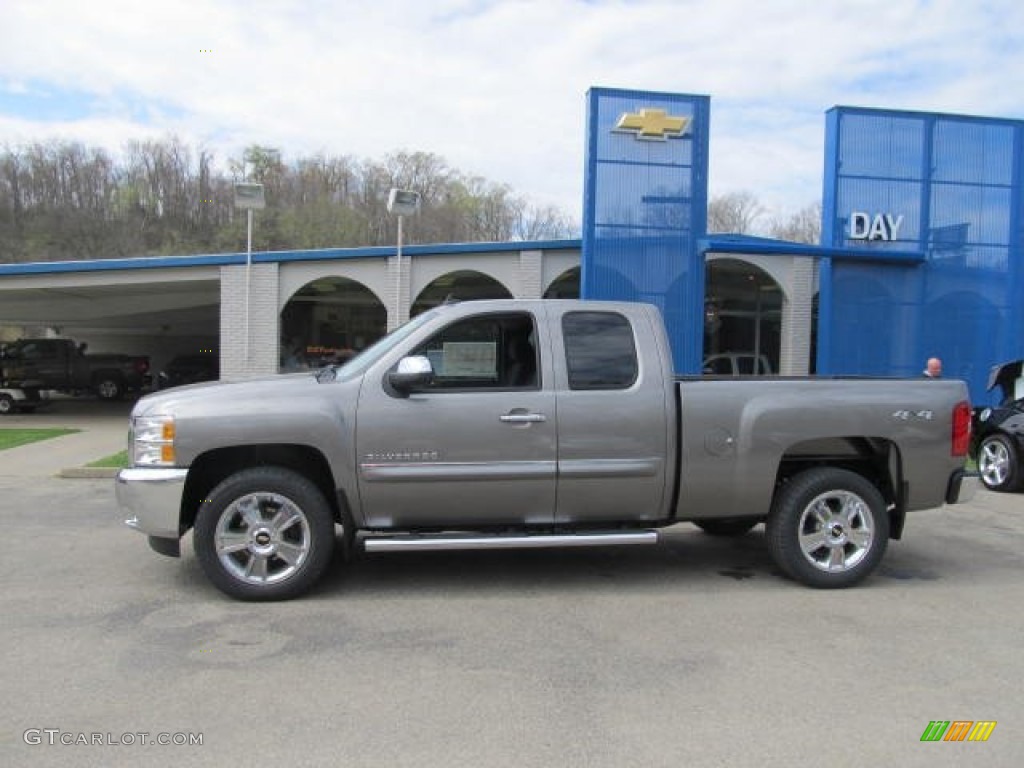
<point>958,730</point>
<point>652,125</point>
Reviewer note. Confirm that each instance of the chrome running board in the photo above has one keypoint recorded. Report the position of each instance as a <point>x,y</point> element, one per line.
<point>422,542</point>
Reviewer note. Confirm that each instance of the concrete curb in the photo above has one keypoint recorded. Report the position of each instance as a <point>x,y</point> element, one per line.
<point>88,473</point>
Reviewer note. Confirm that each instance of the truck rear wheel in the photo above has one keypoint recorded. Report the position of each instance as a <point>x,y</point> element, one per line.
<point>109,388</point>
<point>265,533</point>
<point>6,404</point>
<point>828,528</point>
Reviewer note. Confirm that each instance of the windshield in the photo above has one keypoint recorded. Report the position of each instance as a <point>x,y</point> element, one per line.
<point>357,365</point>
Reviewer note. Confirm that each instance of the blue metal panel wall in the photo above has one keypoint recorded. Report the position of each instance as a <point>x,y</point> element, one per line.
<point>645,207</point>
<point>957,183</point>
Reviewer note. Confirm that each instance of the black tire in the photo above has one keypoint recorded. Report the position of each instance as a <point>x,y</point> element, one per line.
<point>256,516</point>
<point>828,528</point>
<point>998,463</point>
<point>109,388</point>
<point>7,406</point>
<point>726,526</point>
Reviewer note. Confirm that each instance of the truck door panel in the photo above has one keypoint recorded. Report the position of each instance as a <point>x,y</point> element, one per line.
<point>475,448</point>
<point>613,421</point>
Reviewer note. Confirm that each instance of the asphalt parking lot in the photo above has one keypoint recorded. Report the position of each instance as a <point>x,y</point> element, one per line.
<point>692,653</point>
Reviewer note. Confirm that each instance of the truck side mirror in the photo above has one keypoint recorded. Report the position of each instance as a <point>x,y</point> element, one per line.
<point>412,373</point>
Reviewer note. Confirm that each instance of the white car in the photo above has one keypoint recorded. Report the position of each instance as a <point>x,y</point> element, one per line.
<point>14,400</point>
<point>737,364</point>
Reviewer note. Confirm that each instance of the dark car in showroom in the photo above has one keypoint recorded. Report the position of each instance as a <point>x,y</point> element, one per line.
<point>189,369</point>
<point>998,434</point>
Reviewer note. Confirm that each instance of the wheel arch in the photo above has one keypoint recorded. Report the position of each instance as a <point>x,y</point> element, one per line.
<point>212,467</point>
<point>106,373</point>
<point>877,459</point>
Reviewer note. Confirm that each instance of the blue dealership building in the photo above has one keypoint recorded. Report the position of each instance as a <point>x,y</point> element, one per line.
<point>922,223</point>
<point>920,256</point>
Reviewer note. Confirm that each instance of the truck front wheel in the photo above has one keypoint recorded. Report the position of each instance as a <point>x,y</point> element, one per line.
<point>828,528</point>
<point>265,533</point>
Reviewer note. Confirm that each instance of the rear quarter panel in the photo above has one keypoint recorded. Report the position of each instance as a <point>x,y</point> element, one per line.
<point>735,434</point>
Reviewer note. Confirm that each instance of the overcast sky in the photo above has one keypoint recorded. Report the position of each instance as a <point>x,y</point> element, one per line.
<point>498,88</point>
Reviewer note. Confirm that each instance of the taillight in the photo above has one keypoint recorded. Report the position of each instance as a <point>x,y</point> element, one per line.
<point>961,428</point>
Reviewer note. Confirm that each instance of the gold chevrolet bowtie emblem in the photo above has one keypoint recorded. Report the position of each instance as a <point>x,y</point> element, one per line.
<point>652,124</point>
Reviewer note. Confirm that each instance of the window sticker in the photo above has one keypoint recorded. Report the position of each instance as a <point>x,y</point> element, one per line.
<point>470,359</point>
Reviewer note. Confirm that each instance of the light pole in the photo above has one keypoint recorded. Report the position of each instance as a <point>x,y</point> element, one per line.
<point>248,197</point>
<point>401,202</point>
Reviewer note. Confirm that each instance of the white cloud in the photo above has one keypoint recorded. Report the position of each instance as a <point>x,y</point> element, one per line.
<point>497,88</point>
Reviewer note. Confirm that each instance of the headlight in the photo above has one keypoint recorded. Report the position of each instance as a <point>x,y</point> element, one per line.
<point>985,414</point>
<point>151,441</point>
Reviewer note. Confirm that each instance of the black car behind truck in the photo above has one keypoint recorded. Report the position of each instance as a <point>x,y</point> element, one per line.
<point>998,432</point>
<point>31,365</point>
<point>189,369</point>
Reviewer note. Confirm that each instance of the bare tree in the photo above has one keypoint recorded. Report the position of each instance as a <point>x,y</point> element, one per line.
<point>734,212</point>
<point>804,226</point>
<point>542,223</point>
<point>66,201</point>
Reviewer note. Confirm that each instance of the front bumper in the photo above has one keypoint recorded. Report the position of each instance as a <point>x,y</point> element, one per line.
<point>150,499</point>
<point>963,484</point>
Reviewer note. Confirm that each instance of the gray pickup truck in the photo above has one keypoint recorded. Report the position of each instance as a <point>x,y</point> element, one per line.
<point>500,424</point>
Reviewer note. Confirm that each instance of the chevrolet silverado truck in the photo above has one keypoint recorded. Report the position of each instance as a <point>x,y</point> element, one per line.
<point>501,424</point>
<point>63,365</point>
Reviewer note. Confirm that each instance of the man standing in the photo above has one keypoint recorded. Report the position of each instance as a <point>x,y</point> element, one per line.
<point>933,369</point>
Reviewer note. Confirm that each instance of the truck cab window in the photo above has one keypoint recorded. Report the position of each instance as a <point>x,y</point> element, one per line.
<point>484,352</point>
<point>599,350</point>
<point>34,352</point>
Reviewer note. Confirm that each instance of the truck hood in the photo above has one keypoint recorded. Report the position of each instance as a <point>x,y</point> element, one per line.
<point>227,395</point>
<point>283,409</point>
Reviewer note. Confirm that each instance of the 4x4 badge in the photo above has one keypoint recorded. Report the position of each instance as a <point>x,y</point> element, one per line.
<point>908,415</point>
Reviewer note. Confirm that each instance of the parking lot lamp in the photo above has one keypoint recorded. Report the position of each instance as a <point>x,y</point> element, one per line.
<point>248,197</point>
<point>401,202</point>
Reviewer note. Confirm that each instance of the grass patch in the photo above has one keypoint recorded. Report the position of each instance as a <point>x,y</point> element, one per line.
<point>12,438</point>
<point>117,461</point>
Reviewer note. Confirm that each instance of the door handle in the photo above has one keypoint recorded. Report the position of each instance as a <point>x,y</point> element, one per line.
<point>522,418</point>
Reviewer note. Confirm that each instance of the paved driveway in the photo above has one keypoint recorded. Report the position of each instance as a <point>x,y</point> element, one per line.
<point>692,653</point>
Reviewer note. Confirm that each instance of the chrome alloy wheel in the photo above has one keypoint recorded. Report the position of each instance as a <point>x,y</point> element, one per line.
<point>994,463</point>
<point>262,538</point>
<point>836,531</point>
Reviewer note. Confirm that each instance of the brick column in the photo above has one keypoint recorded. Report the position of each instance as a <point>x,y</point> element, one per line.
<point>795,355</point>
<point>530,275</point>
<point>264,321</point>
<point>397,300</point>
